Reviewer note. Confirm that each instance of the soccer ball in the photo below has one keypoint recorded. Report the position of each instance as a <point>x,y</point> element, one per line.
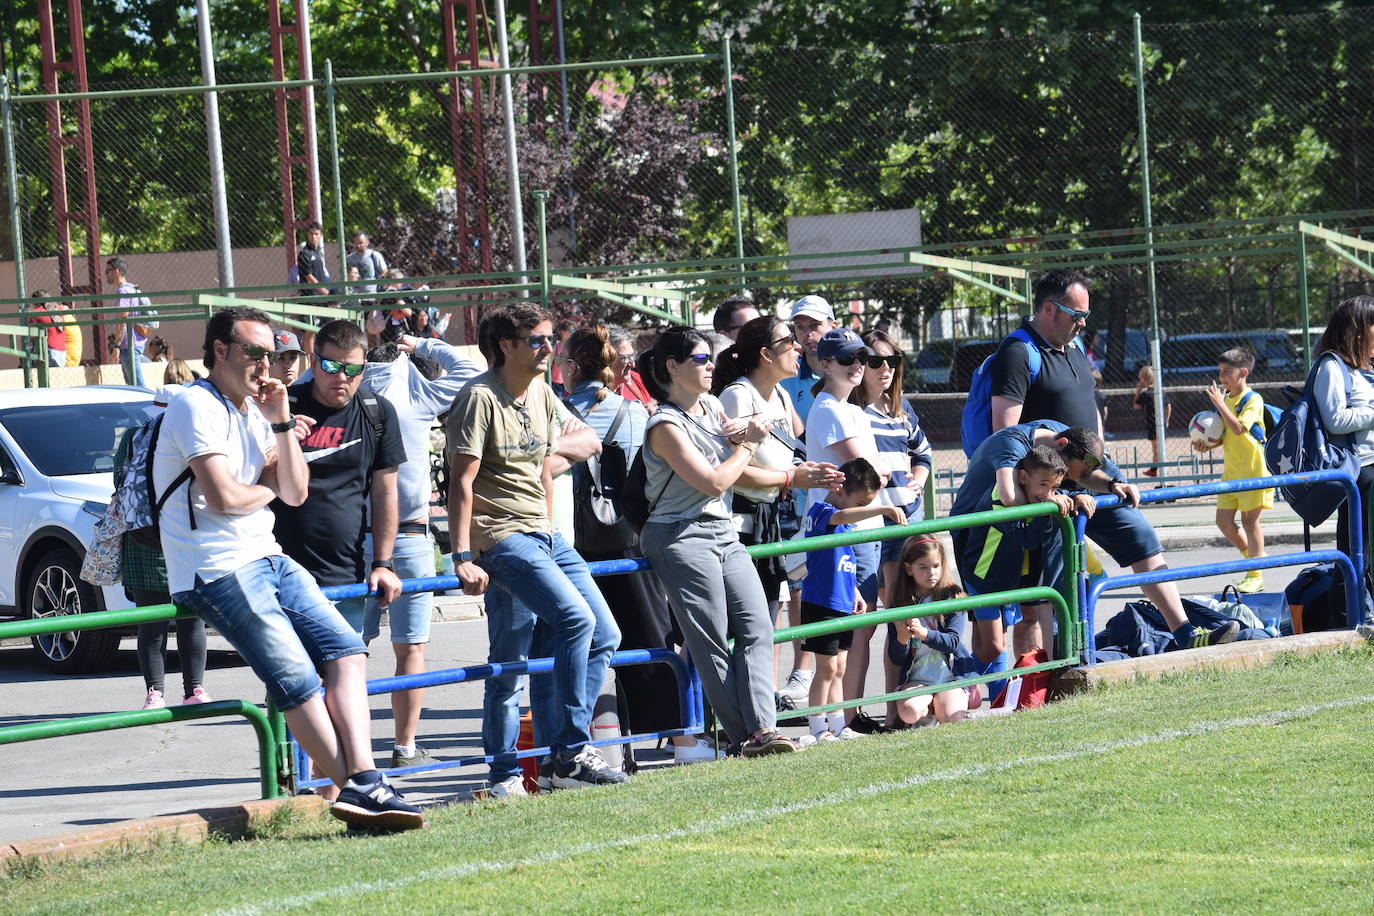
<point>1206,427</point>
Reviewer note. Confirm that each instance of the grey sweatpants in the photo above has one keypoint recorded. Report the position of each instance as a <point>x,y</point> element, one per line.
<point>714,591</point>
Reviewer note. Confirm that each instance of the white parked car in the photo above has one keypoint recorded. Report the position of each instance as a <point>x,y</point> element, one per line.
<point>56,475</point>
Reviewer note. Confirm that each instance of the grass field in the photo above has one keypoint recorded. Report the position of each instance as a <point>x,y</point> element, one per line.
<point>1234,792</point>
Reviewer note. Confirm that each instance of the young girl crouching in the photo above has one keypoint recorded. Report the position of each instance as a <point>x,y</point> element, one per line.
<point>928,649</point>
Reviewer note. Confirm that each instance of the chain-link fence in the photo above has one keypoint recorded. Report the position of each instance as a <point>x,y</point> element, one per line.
<point>1022,151</point>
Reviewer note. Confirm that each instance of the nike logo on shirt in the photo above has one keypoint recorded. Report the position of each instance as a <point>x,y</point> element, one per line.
<point>320,453</point>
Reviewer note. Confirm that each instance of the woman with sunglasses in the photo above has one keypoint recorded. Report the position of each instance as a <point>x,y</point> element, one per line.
<point>838,431</point>
<point>904,455</point>
<point>746,381</point>
<point>693,455</point>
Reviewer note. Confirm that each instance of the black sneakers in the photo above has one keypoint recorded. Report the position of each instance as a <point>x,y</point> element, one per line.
<point>376,806</point>
<point>586,769</point>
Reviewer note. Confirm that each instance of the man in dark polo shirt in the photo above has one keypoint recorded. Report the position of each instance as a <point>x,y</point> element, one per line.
<point>1063,391</point>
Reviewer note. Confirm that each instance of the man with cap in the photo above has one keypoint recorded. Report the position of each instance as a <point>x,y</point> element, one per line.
<point>812,317</point>
<point>286,357</point>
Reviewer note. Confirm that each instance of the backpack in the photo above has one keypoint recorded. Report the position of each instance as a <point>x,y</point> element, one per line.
<point>1309,600</point>
<point>599,526</point>
<point>635,505</point>
<point>1269,419</point>
<point>1300,443</point>
<point>976,424</point>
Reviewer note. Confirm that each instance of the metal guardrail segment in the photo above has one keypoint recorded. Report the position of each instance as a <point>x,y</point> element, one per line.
<point>83,725</point>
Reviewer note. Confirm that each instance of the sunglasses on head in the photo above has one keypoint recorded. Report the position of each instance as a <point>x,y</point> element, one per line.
<point>877,362</point>
<point>334,367</point>
<point>538,341</point>
<point>253,351</point>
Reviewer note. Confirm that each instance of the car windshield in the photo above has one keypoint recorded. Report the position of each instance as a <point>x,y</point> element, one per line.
<point>66,439</point>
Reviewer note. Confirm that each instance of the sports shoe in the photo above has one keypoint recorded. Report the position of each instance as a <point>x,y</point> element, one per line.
<point>1252,582</point>
<point>376,806</point>
<point>806,741</point>
<point>586,769</point>
<point>1150,472</point>
<point>770,741</point>
<point>417,759</point>
<point>700,751</point>
<point>798,686</point>
<point>544,781</point>
<point>198,695</point>
<point>514,787</point>
<point>825,737</point>
<point>865,724</point>
<point>848,734</point>
<point>1220,636</point>
<point>154,699</point>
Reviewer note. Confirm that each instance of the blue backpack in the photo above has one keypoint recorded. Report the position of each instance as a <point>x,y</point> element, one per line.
<point>1300,443</point>
<point>976,424</point>
<point>1268,422</point>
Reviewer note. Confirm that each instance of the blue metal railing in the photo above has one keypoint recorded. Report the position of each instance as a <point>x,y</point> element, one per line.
<point>1351,564</point>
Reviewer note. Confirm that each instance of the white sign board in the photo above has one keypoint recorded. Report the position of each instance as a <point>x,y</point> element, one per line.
<point>839,232</point>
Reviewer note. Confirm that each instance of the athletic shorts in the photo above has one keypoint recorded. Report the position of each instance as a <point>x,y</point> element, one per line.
<point>1246,500</point>
<point>830,643</point>
<point>1125,534</point>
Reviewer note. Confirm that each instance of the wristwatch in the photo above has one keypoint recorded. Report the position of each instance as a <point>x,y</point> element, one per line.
<point>462,556</point>
<point>384,564</point>
<point>285,426</point>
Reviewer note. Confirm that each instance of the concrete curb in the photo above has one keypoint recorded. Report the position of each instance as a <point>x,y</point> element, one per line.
<point>132,836</point>
<point>1175,539</point>
<point>1237,656</point>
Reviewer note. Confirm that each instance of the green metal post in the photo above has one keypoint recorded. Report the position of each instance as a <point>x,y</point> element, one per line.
<point>1144,150</point>
<point>928,501</point>
<point>541,205</point>
<point>1303,303</point>
<point>331,109</point>
<point>281,740</point>
<point>734,153</point>
<point>12,183</point>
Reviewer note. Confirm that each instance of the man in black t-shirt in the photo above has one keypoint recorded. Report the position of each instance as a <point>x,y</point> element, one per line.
<point>314,273</point>
<point>1063,391</point>
<point>353,448</point>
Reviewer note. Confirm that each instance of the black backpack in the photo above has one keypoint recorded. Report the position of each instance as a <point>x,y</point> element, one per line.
<point>599,525</point>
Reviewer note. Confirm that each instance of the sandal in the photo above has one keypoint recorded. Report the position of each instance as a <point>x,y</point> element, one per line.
<point>770,741</point>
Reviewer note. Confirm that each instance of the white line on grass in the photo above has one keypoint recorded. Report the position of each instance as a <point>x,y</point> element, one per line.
<point>754,815</point>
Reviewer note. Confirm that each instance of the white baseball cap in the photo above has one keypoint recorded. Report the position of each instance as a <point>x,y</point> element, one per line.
<point>813,306</point>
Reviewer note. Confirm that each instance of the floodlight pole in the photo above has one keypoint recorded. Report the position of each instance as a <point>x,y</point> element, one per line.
<point>733,151</point>
<point>223,246</point>
<point>1144,149</point>
<point>517,214</point>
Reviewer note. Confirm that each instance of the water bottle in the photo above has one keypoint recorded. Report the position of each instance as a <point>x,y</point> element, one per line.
<point>1272,627</point>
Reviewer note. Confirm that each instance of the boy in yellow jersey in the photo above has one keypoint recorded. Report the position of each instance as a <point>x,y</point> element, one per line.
<point>1242,412</point>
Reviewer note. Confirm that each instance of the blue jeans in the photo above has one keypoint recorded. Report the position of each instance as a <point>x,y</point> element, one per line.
<point>540,576</point>
<point>134,377</point>
<point>274,615</point>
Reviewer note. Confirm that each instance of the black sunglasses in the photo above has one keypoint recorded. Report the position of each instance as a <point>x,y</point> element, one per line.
<point>877,362</point>
<point>539,341</point>
<point>850,359</point>
<point>253,351</point>
<point>790,340</point>
<point>334,367</point>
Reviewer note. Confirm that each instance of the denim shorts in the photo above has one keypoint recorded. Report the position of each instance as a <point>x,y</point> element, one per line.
<point>274,615</point>
<point>410,614</point>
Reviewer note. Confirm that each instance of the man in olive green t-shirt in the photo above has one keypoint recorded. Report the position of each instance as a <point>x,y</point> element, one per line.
<point>502,433</point>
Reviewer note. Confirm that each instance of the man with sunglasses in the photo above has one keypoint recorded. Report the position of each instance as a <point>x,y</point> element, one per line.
<point>233,436</point>
<point>1063,392</point>
<point>353,446</point>
<point>503,433</point>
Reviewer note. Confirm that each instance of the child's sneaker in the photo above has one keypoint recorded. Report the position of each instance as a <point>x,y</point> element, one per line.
<point>825,737</point>
<point>197,695</point>
<point>806,741</point>
<point>848,734</point>
<point>1251,583</point>
<point>698,752</point>
<point>154,700</point>
<point>510,788</point>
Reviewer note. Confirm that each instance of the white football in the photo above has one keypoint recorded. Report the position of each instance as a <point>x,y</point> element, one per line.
<point>1206,427</point>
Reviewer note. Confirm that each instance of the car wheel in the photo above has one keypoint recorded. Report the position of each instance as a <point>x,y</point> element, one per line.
<point>54,588</point>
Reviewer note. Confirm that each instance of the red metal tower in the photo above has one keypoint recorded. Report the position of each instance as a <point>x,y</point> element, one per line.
<point>465,125</point>
<point>302,100</point>
<point>85,213</point>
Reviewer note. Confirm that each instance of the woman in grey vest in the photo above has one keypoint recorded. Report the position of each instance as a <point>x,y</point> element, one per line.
<point>692,457</point>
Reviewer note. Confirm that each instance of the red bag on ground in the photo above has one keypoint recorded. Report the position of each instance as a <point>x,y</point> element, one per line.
<point>1027,691</point>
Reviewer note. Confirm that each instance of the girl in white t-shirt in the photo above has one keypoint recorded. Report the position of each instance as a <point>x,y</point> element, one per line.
<point>837,431</point>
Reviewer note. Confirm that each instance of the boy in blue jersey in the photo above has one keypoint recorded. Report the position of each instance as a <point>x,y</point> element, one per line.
<point>831,588</point>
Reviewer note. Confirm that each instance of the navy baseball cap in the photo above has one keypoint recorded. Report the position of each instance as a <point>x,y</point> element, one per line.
<point>840,342</point>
